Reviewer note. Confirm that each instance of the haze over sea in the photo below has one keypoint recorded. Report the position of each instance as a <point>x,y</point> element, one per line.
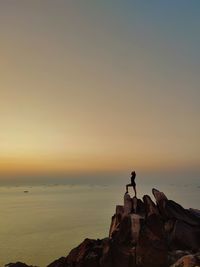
<point>52,218</point>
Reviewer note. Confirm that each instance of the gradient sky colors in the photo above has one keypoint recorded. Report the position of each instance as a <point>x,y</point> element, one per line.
<point>99,85</point>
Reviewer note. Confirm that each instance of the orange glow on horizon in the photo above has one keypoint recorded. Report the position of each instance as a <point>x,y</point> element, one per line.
<point>83,90</point>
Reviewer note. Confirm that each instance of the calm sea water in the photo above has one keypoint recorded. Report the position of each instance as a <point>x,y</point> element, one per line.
<point>48,221</point>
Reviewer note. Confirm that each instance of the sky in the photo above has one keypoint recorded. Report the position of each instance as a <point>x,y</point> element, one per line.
<point>96,86</point>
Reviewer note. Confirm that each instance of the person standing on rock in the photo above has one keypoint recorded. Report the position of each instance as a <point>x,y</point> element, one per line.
<point>133,184</point>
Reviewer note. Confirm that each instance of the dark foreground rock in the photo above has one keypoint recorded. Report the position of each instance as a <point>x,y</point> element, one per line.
<point>142,234</point>
<point>179,258</point>
<point>18,264</point>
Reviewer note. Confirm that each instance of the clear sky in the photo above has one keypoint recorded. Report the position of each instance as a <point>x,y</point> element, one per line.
<point>99,85</point>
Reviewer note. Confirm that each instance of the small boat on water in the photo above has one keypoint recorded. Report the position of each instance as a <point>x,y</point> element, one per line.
<point>26,191</point>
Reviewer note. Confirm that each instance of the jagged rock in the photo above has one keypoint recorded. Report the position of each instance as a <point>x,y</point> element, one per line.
<point>107,258</point>
<point>174,255</point>
<point>161,200</point>
<point>174,210</point>
<point>151,249</point>
<point>136,221</point>
<point>88,254</point>
<point>138,206</point>
<point>187,261</point>
<point>116,219</point>
<point>150,207</point>
<point>184,236</point>
<point>195,212</point>
<point>141,233</point>
<point>61,262</point>
<point>159,196</point>
<point>182,226</point>
<point>127,204</point>
<point>122,255</point>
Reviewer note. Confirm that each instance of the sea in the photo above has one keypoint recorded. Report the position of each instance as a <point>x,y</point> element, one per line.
<point>42,222</point>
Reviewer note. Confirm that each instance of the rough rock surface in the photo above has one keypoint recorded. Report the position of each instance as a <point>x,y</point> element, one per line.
<point>188,261</point>
<point>143,234</point>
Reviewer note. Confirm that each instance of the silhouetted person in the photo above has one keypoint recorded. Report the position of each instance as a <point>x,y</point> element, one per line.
<point>133,184</point>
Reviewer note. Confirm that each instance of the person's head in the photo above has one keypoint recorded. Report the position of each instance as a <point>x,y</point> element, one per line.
<point>133,173</point>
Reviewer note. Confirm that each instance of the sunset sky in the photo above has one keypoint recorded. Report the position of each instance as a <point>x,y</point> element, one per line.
<point>99,85</point>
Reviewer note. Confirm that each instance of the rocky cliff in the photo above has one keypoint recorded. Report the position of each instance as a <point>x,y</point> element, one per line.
<point>142,234</point>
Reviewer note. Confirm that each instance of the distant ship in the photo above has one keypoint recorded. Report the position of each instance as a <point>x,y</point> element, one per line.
<point>26,191</point>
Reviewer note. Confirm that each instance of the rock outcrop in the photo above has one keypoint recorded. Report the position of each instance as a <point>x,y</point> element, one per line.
<point>143,234</point>
<point>18,264</point>
<point>188,260</point>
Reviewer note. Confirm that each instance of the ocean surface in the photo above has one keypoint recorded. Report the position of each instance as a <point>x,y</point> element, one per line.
<point>46,222</point>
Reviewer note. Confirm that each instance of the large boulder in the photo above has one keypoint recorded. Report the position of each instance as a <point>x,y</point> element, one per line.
<point>182,226</point>
<point>88,254</point>
<point>151,248</point>
<point>184,236</point>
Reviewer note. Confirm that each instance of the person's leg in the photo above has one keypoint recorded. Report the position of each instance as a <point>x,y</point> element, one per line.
<point>126,189</point>
<point>134,188</point>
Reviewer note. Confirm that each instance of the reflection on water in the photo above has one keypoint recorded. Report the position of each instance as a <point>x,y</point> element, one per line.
<point>41,223</point>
